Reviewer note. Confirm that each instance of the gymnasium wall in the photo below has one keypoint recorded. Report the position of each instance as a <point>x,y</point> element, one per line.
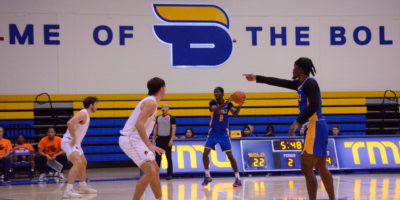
<point>65,47</point>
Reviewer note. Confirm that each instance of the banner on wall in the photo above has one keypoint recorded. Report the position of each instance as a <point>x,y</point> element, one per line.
<point>283,154</point>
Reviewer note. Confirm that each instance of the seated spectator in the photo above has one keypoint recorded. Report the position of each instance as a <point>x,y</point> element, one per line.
<point>335,130</point>
<point>270,131</point>
<point>248,132</point>
<point>301,130</point>
<point>188,134</point>
<point>50,150</point>
<point>21,143</point>
<point>5,157</point>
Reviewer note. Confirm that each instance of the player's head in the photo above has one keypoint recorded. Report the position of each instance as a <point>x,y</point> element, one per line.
<point>51,133</point>
<point>219,92</point>
<point>1,132</point>
<point>156,87</point>
<point>90,103</point>
<point>21,139</point>
<point>304,66</point>
<point>165,109</point>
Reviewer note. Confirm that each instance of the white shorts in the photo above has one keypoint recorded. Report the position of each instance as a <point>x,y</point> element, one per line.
<point>136,150</point>
<point>68,149</point>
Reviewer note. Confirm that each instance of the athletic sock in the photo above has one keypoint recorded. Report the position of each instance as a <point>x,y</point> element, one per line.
<point>69,187</point>
<point>208,173</point>
<point>81,184</point>
<point>237,175</point>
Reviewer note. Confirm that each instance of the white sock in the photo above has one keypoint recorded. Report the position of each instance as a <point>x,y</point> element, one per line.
<point>208,173</point>
<point>237,175</point>
<point>82,183</point>
<point>69,187</point>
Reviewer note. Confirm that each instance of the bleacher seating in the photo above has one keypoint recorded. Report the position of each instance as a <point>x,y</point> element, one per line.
<point>346,109</point>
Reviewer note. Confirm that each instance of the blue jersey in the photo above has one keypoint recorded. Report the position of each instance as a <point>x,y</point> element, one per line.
<point>220,120</point>
<point>303,103</point>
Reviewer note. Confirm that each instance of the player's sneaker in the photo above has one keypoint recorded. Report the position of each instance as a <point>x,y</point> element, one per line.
<point>61,176</point>
<point>85,189</point>
<point>206,181</point>
<point>237,183</point>
<point>42,177</point>
<point>71,194</point>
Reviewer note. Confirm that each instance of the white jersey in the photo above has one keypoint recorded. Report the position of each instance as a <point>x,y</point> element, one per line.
<point>80,129</point>
<point>130,128</point>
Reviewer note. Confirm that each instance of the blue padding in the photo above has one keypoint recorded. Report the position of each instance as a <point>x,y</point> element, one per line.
<point>6,122</point>
<point>120,122</point>
<point>107,157</point>
<point>102,149</point>
<point>21,164</point>
<point>180,130</point>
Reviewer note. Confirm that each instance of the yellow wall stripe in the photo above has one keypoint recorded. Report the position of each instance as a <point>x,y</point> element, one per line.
<point>16,106</point>
<point>188,96</point>
<point>16,115</point>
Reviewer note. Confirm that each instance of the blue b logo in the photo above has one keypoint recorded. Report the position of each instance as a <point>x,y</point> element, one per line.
<point>197,34</point>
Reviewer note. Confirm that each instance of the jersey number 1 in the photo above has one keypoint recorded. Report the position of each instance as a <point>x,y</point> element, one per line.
<point>221,118</point>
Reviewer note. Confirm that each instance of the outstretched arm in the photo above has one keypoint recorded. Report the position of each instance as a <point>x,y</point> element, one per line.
<point>289,84</point>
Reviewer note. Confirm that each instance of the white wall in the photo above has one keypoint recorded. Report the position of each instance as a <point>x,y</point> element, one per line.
<point>79,65</point>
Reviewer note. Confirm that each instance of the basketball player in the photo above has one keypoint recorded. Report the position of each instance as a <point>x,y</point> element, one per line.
<point>219,133</point>
<point>134,139</point>
<point>316,135</point>
<point>71,145</point>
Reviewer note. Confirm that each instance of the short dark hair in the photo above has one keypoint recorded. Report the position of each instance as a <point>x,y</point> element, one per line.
<point>270,127</point>
<point>336,126</point>
<point>220,89</point>
<point>154,85</point>
<point>307,65</point>
<point>89,101</point>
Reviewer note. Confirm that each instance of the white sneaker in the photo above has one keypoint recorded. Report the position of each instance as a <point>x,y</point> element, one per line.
<point>71,194</point>
<point>51,173</point>
<point>42,176</point>
<point>61,176</point>
<point>86,190</point>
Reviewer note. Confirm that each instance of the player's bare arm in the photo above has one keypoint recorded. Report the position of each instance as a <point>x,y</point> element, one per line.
<point>148,108</point>
<point>79,118</point>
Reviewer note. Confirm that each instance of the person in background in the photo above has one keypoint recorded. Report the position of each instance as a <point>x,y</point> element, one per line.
<point>188,134</point>
<point>247,131</point>
<point>50,150</point>
<point>270,131</point>
<point>301,130</point>
<point>164,131</point>
<point>5,158</point>
<point>335,130</point>
<point>20,144</point>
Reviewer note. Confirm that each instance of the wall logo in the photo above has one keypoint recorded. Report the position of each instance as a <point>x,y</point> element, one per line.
<point>198,34</point>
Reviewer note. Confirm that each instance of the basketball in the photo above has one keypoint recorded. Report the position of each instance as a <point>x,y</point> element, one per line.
<point>239,97</point>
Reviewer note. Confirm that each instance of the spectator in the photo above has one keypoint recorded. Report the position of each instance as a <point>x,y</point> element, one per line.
<point>20,144</point>
<point>247,131</point>
<point>5,158</point>
<point>188,134</point>
<point>270,131</point>
<point>164,130</point>
<point>335,130</point>
<point>50,150</point>
<point>301,130</point>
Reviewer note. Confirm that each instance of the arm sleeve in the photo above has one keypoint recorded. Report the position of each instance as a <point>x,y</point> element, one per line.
<point>311,90</point>
<point>212,103</point>
<point>173,120</point>
<point>289,84</point>
<point>230,106</point>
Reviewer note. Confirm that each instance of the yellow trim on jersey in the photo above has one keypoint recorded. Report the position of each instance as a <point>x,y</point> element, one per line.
<point>310,135</point>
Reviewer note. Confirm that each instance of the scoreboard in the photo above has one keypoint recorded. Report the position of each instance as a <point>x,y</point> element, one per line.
<point>279,155</point>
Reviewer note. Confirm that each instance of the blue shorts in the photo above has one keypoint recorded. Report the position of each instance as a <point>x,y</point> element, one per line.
<point>220,137</point>
<point>316,138</point>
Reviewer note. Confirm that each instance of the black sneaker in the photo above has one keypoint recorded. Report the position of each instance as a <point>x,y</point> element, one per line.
<point>169,178</point>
